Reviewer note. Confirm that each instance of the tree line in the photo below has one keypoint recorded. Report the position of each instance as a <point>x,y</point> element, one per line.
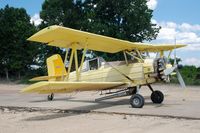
<point>124,19</point>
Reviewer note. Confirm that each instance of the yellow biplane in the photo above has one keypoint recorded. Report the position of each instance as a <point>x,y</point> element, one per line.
<point>137,69</point>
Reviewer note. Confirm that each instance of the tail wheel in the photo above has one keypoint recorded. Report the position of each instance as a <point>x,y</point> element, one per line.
<point>157,97</point>
<point>137,101</point>
<point>50,97</point>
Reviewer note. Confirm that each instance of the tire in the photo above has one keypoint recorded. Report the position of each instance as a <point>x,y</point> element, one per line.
<point>50,97</point>
<point>157,97</point>
<point>137,101</point>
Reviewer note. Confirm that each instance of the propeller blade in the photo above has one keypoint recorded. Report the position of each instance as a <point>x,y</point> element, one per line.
<point>180,79</point>
<point>168,71</point>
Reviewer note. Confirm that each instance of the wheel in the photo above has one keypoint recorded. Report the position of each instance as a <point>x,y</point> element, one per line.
<point>50,97</point>
<point>157,97</point>
<point>137,101</point>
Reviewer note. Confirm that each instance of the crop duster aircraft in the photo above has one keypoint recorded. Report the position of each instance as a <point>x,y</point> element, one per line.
<point>135,71</point>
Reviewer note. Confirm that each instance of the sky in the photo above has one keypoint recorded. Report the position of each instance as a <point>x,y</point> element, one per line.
<point>179,19</point>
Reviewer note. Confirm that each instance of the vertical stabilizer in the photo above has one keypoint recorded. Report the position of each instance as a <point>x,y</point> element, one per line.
<point>56,67</point>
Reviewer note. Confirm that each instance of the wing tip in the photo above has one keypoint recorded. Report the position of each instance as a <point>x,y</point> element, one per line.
<point>52,27</point>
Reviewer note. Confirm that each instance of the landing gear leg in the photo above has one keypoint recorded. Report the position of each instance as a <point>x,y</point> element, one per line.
<point>156,96</point>
<point>50,97</point>
<point>137,100</point>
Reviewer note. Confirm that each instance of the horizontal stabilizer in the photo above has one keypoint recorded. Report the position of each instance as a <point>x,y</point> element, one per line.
<point>43,78</point>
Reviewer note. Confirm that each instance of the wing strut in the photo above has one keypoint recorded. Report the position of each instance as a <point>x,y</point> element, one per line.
<point>74,55</point>
<point>67,52</point>
<point>76,61</point>
<point>125,57</point>
<point>82,60</point>
<point>70,63</point>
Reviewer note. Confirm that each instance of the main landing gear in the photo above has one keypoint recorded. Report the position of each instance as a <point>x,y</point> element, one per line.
<point>156,96</point>
<point>137,100</point>
<point>50,97</point>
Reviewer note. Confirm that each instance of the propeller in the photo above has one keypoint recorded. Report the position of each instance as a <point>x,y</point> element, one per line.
<point>170,70</point>
<point>180,79</point>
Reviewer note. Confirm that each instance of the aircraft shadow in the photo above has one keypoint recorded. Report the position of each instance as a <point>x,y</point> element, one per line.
<point>56,99</point>
<point>69,99</point>
<point>51,116</point>
<point>149,103</point>
<point>86,109</point>
<point>76,111</point>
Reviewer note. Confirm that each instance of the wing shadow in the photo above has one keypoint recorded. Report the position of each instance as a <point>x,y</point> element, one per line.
<point>88,108</point>
<point>56,99</point>
<point>78,110</point>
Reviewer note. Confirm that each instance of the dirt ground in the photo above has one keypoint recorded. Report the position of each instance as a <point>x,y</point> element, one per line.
<point>151,118</point>
<point>38,122</point>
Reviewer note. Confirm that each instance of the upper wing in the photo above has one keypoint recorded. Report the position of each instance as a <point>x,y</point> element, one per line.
<point>67,87</point>
<point>65,37</point>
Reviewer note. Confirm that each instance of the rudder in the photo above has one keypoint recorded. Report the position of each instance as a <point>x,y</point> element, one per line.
<point>56,67</point>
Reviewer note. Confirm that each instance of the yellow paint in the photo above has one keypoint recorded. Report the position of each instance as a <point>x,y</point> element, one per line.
<point>65,60</point>
<point>169,54</point>
<point>66,87</point>
<point>125,57</point>
<point>42,78</point>
<point>64,37</point>
<point>76,63</point>
<point>97,79</point>
<point>103,78</point>
<point>70,63</point>
<point>161,53</point>
<point>55,67</point>
<point>82,60</point>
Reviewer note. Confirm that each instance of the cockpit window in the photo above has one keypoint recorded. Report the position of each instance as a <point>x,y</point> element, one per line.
<point>94,64</point>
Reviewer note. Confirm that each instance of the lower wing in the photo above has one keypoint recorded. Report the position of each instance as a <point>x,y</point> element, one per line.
<point>46,87</point>
<point>42,78</point>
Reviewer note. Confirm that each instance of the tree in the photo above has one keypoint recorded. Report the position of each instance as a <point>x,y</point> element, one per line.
<point>198,73</point>
<point>61,12</point>
<point>178,60</point>
<point>16,53</point>
<point>67,13</point>
<point>124,19</point>
<point>190,75</point>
